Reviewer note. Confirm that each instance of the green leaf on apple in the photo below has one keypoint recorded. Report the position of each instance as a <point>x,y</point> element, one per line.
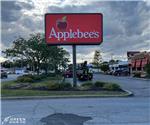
<point>64,18</point>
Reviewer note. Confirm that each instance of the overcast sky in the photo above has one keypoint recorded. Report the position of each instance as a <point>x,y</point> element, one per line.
<point>126,24</point>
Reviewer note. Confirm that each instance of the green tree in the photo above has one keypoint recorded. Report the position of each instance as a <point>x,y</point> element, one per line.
<point>7,64</point>
<point>97,60</point>
<point>37,53</point>
<point>20,63</point>
<point>104,67</point>
<point>112,61</point>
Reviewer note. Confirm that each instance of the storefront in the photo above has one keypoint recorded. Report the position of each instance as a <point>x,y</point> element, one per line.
<point>138,61</point>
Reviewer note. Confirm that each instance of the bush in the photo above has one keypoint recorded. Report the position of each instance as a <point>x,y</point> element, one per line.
<point>65,86</point>
<point>111,87</point>
<point>53,86</point>
<point>137,74</point>
<point>90,84</point>
<point>29,78</point>
<point>38,78</point>
<point>104,67</point>
<point>43,76</point>
<point>87,86</point>
<point>25,79</point>
<point>99,84</point>
<point>51,75</point>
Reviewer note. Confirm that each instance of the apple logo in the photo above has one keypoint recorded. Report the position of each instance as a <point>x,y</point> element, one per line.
<point>62,23</point>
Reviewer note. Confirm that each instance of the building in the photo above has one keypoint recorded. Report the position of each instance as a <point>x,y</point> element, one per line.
<point>137,61</point>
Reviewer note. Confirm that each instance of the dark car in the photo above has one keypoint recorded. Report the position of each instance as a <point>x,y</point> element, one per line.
<point>4,74</point>
<point>68,74</point>
<point>121,73</point>
<point>109,72</point>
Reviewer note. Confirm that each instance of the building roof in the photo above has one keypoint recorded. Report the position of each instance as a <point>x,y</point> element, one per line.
<point>141,55</point>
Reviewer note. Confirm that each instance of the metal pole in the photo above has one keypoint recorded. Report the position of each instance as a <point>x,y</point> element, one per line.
<point>74,65</point>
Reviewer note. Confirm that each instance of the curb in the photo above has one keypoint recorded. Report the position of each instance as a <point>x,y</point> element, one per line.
<point>129,94</point>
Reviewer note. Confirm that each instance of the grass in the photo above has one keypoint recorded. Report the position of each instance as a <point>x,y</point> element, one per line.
<point>18,93</point>
<point>8,82</point>
<point>35,89</point>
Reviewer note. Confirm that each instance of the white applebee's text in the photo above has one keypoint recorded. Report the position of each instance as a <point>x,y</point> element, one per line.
<point>72,34</point>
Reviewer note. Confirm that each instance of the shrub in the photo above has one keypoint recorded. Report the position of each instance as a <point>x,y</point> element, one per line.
<point>51,75</point>
<point>137,74</point>
<point>111,87</point>
<point>42,76</point>
<point>53,86</point>
<point>25,79</point>
<point>104,67</point>
<point>87,86</point>
<point>29,78</point>
<point>90,84</point>
<point>99,84</point>
<point>65,86</point>
<point>37,78</point>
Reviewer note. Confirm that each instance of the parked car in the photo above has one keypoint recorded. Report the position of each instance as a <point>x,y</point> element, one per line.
<point>109,72</point>
<point>121,73</point>
<point>10,72</point>
<point>26,72</point>
<point>4,74</point>
<point>68,74</point>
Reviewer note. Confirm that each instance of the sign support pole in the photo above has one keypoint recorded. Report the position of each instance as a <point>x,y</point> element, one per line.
<point>74,66</point>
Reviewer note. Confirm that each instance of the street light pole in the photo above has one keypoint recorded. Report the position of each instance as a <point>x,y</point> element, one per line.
<point>74,65</point>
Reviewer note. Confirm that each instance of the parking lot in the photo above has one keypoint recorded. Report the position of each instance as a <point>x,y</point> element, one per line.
<point>10,77</point>
<point>109,111</point>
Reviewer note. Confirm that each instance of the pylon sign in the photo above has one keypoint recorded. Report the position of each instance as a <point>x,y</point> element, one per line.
<point>74,28</point>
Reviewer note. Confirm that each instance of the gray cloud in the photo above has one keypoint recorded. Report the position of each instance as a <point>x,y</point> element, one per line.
<point>8,15</point>
<point>126,24</point>
<point>11,10</point>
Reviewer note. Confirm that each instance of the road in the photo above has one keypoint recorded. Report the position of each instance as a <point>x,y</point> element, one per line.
<point>88,111</point>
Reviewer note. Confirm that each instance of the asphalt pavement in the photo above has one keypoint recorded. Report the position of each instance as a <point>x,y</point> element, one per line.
<point>86,111</point>
<point>139,87</point>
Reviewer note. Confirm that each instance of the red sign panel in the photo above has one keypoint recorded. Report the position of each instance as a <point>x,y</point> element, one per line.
<point>77,29</point>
